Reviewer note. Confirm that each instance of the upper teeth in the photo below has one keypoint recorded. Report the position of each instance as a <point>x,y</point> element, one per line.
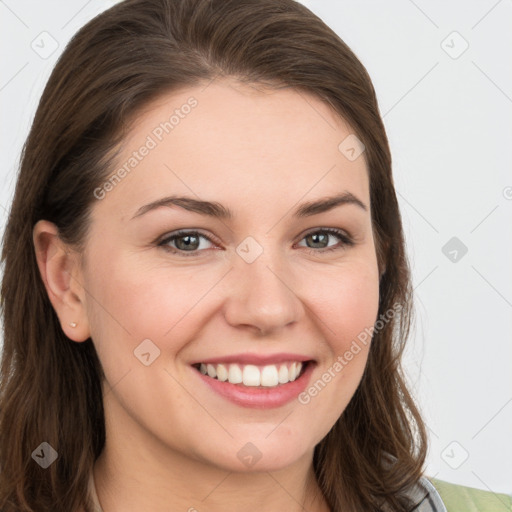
<point>251,375</point>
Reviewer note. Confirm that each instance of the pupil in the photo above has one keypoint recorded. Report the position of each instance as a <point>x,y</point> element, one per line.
<point>316,236</point>
<point>187,242</point>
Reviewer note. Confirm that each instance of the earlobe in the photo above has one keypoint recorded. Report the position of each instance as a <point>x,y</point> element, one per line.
<point>61,277</point>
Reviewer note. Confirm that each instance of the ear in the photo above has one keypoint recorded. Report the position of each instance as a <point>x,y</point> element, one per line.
<point>62,278</point>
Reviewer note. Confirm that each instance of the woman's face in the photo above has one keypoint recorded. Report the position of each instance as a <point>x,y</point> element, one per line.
<point>249,295</point>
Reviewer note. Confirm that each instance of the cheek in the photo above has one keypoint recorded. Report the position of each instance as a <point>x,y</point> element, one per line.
<point>358,306</point>
<point>132,302</point>
<point>348,303</point>
<point>347,311</point>
<point>171,306</point>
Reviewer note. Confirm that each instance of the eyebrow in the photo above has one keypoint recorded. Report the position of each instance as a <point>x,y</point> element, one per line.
<point>217,210</point>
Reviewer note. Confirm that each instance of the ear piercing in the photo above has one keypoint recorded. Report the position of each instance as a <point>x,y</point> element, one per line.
<point>73,324</point>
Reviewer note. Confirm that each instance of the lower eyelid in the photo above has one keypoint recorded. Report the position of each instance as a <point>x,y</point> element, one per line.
<point>344,239</point>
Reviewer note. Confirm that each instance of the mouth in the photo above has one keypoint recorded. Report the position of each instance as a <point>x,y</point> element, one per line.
<point>256,382</point>
<point>255,376</point>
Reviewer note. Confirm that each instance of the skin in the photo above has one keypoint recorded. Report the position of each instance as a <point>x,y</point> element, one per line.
<point>171,441</point>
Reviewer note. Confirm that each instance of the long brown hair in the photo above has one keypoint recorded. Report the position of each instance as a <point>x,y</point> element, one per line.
<point>50,387</point>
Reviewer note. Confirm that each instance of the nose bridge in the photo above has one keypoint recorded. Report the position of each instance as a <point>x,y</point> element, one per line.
<point>262,295</point>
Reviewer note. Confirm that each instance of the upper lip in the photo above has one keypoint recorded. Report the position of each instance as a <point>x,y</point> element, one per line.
<point>256,359</point>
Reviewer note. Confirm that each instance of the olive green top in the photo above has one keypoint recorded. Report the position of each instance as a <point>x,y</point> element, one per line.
<point>458,498</point>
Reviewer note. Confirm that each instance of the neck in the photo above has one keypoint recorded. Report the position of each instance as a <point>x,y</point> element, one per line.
<point>130,480</point>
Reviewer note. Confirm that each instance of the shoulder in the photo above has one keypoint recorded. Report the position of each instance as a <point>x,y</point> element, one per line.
<point>441,496</point>
<point>459,498</point>
<point>425,497</point>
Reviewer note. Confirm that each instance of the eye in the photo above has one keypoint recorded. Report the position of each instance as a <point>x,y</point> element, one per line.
<point>320,239</point>
<point>183,241</point>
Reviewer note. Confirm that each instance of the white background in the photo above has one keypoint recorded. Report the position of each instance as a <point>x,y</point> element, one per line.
<point>448,116</point>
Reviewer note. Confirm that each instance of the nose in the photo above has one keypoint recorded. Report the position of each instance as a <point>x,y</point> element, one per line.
<point>261,296</point>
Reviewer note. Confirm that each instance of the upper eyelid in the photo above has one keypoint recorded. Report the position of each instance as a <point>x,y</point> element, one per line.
<point>184,232</point>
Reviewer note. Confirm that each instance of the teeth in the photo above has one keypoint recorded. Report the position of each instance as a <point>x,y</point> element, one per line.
<point>212,372</point>
<point>283,374</point>
<point>222,373</point>
<point>234,374</point>
<point>293,372</point>
<point>269,376</point>
<point>253,376</point>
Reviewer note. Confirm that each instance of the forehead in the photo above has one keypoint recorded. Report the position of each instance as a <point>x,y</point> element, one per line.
<point>237,143</point>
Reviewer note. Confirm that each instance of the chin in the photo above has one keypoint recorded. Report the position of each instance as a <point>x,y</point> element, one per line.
<point>246,454</point>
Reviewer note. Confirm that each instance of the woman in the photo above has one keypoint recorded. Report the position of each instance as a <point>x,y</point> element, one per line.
<point>206,294</point>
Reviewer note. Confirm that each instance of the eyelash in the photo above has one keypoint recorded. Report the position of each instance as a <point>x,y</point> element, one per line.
<point>346,241</point>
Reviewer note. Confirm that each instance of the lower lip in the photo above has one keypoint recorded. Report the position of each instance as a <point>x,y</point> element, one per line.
<point>260,397</point>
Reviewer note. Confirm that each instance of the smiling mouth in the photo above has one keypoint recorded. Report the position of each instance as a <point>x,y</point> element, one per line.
<point>249,375</point>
